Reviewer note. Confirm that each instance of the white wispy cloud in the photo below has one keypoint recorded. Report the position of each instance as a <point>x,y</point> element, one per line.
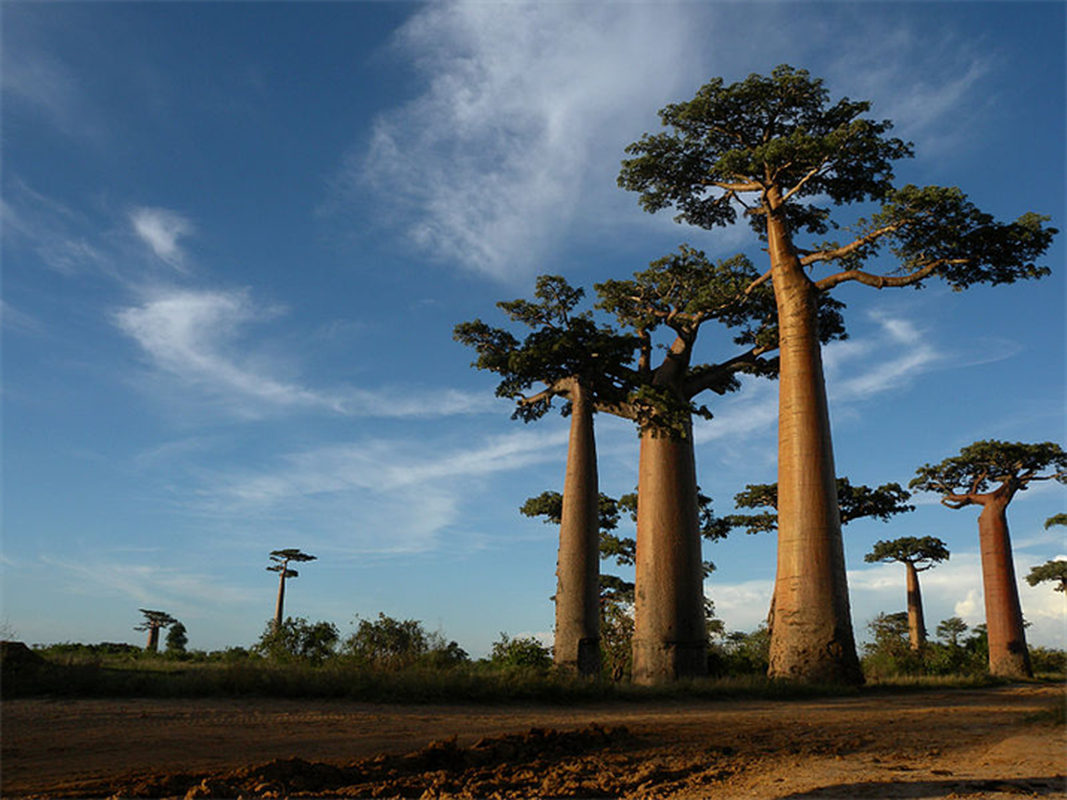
<point>378,496</point>
<point>148,584</point>
<point>37,80</point>
<point>162,229</point>
<point>188,334</point>
<point>15,320</point>
<point>197,338</point>
<point>494,160</point>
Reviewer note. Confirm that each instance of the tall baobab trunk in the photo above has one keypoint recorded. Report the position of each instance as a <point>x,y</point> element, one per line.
<point>916,622</point>
<point>577,642</point>
<point>280,605</point>
<point>1008,655</point>
<point>153,640</point>
<point>669,627</point>
<point>811,637</point>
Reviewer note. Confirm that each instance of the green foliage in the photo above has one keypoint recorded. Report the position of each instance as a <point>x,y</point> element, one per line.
<point>890,652</point>
<point>854,502</point>
<point>779,140</point>
<point>563,345</point>
<point>1053,571</point>
<point>923,552</point>
<point>740,653</point>
<point>281,559</point>
<point>298,640</point>
<point>1056,519</point>
<point>523,652</point>
<point>983,465</point>
<point>177,639</point>
<point>388,643</point>
<point>154,620</point>
<point>680,292</point>
<point>950,630</point>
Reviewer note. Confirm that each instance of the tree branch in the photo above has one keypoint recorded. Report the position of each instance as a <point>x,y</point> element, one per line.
<point>881,281</point>
<point>811,174</point>
<point>851,247</point>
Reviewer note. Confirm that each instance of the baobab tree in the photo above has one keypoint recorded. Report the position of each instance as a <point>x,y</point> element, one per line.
<point>281,559</point>
<point>153,621</point>
<point>989,474</point>
<point>617,594</point>
<point>584,364</point>
<point>917,555</point>
<point>775,148</point>
<point>679,293</point>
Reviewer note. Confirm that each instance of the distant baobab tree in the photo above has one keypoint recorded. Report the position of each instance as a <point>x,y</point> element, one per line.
<point>917,555</point>
<point>281,559</point>
<point>989,474</point>
<point>153,621</point>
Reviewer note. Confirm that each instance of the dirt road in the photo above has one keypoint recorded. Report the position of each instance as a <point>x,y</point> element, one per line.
<point>986,743</point>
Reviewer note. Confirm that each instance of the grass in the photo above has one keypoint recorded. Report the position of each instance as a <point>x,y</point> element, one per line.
<point>476,683</point>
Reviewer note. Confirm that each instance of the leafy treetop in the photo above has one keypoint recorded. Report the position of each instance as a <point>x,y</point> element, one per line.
<point>679,293</point>
<point>1055,571</point>
<point>1056,519</point>
<point>154,620</point>
<point>921,553</point>
<point>854,503</point>
<point>776,145</point>
<point>564,346</point>
<point>282,559</point>
<point>991,467</point>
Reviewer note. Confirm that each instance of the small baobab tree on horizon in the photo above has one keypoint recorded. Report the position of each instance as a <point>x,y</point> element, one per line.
<point>775,152</point>
<point>281,559</point>
<point>989,474</point>
<point>917,555</point>
<point>153,621</point>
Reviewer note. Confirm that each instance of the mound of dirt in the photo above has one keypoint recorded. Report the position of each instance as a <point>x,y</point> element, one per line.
<point>590,762</point>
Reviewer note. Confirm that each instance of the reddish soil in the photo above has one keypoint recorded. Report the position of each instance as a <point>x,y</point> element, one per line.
<point>985,743</point>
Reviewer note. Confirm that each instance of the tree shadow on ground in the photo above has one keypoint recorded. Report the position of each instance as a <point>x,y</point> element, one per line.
<point>1053,786</point>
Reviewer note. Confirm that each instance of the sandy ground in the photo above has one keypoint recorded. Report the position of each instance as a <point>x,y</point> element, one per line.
<point>987,743</point>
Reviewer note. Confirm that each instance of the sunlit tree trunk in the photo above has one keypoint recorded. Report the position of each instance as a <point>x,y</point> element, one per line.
<point>916,622</point>
<point>669,628</point>
<point>1008,655</point>
<point>153,640</point>
<point>811,638</point>
<point>577,642</point>
<point>280,605</point>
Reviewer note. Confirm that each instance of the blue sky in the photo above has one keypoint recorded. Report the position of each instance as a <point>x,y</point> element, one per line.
<point>237,236</point>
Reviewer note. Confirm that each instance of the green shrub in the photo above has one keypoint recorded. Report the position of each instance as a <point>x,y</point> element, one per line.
<point>298,640</point>
<point>522,651</point>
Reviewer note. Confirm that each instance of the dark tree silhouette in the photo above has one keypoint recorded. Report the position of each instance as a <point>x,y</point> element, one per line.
<point>582,363</point>
<point>281,559</point>
<point>153,621</point>
<point>989,474</point>
<point>777,150</point>
<point>917,555</point>
<point>951,629</point>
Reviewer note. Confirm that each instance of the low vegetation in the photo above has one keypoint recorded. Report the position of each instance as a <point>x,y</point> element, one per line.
<point>388,660</point>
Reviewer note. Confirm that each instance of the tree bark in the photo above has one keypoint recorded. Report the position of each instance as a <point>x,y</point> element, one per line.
<point>279,606</point>
<point>811,639</point>
<point>916,622</point>
<point>153,640</point>
<point>577,641</point>
<point>1008,655</point>
<point>669,628</point>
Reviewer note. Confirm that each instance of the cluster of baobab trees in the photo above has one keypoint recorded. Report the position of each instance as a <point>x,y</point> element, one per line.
<point>775,152</point>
